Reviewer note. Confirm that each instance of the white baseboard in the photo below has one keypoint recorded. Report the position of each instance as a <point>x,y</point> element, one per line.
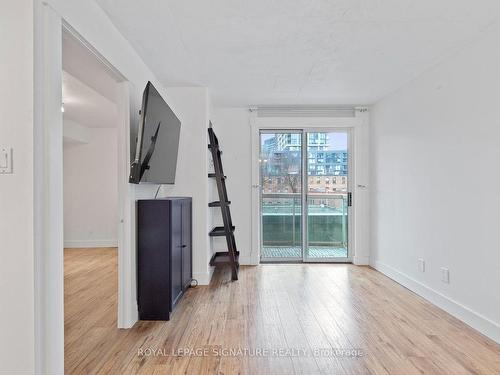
<point>484,325</point>
<point>204,278</point>
<point>248,261</point>
<point>361,260</point>
<point>131,318</point>
<point>90,243</point>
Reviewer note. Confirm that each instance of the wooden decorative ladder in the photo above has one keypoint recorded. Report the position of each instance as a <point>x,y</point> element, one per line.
<point>231,256</point>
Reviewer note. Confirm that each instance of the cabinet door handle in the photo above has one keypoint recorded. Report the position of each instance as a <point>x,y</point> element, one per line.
<point>183,245</point>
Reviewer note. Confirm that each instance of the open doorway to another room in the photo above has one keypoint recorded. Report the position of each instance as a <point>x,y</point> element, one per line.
<point>91,196</point>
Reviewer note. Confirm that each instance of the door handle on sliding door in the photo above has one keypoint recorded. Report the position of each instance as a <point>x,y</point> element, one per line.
<point>349,199</point>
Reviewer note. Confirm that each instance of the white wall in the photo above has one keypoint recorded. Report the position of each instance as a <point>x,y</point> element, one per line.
<point>232,127</point>
<point>16,190</point>
<point>91,190</point>
<point>73,132</point>
<point>435,157</point>
<point>191,179</point>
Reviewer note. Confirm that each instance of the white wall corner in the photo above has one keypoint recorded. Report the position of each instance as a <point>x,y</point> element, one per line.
<point>248,261</point>
<point>48,147</point>
<point>361,260</point>
<point>255,181</point>
<point>361,188</point>
<point>204,278</point>
<point>75,132</point>
<point>362,111</point>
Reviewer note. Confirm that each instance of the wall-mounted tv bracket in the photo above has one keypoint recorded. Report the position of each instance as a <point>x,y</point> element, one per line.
<point>141,168</point>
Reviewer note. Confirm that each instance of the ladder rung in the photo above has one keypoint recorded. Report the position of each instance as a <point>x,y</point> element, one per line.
<point>223,257</point>
<point>220,231</point>
<point>214,175</point>
<point>217,204</point>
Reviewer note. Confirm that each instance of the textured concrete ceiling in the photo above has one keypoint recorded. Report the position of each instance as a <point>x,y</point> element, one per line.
<point>300,51</point>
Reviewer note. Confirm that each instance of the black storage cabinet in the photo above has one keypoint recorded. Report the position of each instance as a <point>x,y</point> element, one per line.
<point>164,255</point>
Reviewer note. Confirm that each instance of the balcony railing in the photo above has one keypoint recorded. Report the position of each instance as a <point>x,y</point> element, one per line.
<point>327,219</point>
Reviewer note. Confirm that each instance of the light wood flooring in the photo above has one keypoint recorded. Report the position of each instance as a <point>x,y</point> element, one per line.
<point>271,309</point>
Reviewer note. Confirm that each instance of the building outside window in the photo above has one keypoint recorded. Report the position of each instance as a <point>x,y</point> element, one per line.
<point>281,151</point>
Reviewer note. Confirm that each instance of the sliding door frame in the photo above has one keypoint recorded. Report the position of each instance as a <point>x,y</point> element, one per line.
<point>305,195</point>
<point>359,142</point>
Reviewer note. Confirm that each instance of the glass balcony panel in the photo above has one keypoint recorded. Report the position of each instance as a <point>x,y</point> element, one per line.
<point>281,227</point>
<point>327,231</point>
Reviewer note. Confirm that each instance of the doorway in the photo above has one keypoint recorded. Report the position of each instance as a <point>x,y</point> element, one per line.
<point>305,196</point>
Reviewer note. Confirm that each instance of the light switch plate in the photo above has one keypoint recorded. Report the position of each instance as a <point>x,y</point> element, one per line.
<point>5,160</point>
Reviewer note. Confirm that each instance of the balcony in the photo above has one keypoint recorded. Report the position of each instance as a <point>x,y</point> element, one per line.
<point>282,226</point>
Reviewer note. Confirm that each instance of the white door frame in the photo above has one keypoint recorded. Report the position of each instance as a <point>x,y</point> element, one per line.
<point>126,315</point>
<point>48,194</point>
<point>360,143</point>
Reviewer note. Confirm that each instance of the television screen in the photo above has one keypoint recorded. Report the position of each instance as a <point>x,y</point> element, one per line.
<point>157,141</point>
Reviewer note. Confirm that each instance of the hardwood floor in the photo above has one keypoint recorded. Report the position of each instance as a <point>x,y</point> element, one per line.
<point>301,307</point>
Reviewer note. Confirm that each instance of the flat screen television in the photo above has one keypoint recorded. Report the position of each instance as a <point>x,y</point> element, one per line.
<point>157,141</point>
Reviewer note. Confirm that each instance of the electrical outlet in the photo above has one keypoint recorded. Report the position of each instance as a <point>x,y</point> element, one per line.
<point>421,265</point>
<point>445,275</point>
<point>5,160</point>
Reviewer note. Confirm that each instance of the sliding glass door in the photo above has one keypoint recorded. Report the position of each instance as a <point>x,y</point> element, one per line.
<point>310,170</point>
